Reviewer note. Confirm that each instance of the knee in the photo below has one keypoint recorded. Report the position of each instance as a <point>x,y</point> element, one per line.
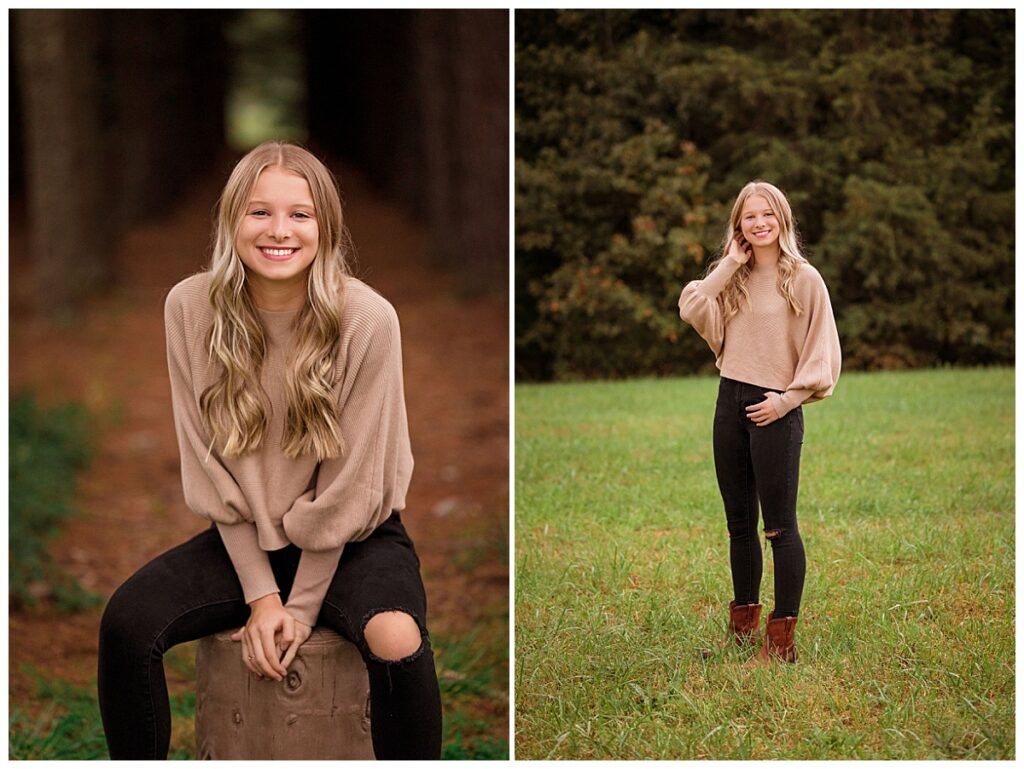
<point>782,537</point>
<point>740,528</point>
<point>392,635</point>
<point>130,621</point>
<point>119,629</point>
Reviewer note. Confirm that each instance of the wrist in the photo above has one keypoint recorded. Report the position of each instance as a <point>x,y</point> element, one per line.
<point>270,599</point>
<point>716,280</point>
<point>303,614</point>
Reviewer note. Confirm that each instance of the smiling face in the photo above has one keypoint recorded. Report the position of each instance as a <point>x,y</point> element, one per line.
<point>277,239</point>
<point>758,222</point>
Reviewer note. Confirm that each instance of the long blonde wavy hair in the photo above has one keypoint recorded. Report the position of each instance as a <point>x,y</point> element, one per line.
<point>235,408</point>
<point>790,257</point>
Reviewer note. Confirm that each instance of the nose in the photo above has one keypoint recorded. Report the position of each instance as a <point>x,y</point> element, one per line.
<point>280,228</point>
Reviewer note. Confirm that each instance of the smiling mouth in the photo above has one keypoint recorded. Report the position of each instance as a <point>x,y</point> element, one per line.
<point>277,254</point>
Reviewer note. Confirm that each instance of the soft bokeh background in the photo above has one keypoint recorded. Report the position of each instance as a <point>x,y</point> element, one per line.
<point>890,131</point>
<point>124,126</point>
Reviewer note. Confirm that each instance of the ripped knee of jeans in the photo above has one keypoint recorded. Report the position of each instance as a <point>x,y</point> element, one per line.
<point>393,635</point>
<point>771,534</point>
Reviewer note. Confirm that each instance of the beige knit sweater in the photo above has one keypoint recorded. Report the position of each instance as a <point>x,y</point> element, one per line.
<point>765,343</point>
<point>264,500</point>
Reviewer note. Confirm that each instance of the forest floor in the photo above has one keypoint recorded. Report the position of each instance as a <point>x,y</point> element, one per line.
<point>112,358</point>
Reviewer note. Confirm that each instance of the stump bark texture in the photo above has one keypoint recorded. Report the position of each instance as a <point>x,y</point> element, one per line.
<point>320,711</point>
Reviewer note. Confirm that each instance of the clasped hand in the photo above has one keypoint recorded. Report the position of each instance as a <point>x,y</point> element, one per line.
<point>763,413</point>
<point>271,637</point>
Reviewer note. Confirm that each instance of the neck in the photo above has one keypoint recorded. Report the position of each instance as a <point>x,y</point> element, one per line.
<point>275,296</point>
<point>765,258</point>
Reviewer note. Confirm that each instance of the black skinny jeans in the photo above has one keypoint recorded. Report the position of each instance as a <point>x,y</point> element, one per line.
<point>760,463</point>
<point>193,591</point>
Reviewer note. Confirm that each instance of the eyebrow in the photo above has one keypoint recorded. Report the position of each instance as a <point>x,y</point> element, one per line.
<point>294,205</point>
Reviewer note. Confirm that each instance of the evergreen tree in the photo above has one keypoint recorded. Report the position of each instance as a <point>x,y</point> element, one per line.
<point>891,132</point>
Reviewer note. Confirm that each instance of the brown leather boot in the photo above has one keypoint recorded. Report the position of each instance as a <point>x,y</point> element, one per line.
<point>743,622</point>
<point>779,643</point>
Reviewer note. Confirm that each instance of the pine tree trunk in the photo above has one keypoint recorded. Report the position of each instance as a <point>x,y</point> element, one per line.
<point>73,238</point>
<point>481,141</point>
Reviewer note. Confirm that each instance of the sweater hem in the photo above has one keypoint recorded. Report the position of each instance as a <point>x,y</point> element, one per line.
<point>747,379</point>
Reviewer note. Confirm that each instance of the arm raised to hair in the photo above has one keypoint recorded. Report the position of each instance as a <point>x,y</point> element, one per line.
<point>698,303</point>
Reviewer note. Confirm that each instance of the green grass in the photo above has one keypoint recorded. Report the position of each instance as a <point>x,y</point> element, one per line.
<point>473,667</point>
<point>69,726</point>
<point>473,673</point>
<point>906,632</point>
<point>48,448</point>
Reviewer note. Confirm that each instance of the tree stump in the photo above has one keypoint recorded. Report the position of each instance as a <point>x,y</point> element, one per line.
<point>320,711</point>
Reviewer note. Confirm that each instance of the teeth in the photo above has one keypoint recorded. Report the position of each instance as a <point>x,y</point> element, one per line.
<point>277,251</point>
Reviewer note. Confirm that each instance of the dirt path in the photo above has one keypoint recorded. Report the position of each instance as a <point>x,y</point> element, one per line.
<point>113,359</point>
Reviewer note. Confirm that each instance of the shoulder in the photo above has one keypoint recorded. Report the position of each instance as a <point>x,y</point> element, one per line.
<point>369,332</point>
<point>366,313</point>
<point>187,310</point>
<point>189,299</point>
<point>807,281</point>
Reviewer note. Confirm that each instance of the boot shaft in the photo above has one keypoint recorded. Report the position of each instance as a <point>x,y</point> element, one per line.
<point>780,636</point>
<point>744,620</point>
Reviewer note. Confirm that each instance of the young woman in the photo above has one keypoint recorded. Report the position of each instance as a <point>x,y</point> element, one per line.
<point>765,312</point>
<point>289,408</point>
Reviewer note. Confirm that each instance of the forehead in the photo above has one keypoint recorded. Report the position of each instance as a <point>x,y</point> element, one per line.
<point>756,204</point>
<point>279,184</point>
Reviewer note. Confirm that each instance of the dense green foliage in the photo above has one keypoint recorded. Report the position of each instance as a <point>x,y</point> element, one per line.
<point>890,131</point>
<point>47,449</point>
<point>906,629</point>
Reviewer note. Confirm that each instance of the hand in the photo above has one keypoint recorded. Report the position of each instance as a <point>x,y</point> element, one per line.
<point>763,413</point>
<point>739,249</point>
<point>269,624</point>
<point>290,645</point>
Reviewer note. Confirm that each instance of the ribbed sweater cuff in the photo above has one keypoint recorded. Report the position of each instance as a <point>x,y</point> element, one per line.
<point>312,578</point>
<point>250,560</point>
<point>789,400</point>
<point>713,284</point>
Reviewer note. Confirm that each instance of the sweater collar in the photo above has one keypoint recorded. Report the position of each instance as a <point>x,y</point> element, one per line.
<point>277,324</point>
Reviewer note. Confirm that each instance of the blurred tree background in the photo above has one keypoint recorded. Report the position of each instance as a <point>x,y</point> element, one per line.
<point>124,125</point>
<point>890,131</point>
<point>114,113</point>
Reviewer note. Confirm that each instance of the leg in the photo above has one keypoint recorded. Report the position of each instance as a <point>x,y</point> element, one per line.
<point>184,594</point>
<point>392,635</point>
<point>776,456</point>
<point>377,601</point>
<point>735,472</point>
